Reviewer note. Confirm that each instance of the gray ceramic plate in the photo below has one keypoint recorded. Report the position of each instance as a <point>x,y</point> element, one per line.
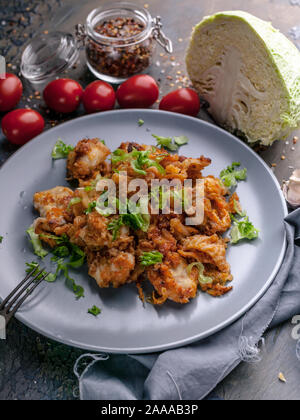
<point>124,325</point>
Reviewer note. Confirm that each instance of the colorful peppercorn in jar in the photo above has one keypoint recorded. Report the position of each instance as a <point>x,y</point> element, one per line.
<point>120,41</point>
<point>116,42</point>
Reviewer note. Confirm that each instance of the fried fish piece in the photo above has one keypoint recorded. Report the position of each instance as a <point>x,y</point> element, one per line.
<point>213,247</point>
<point>53,208</point>
<point>87,159</point>
<point>111,270</point>
<point>171,280</point>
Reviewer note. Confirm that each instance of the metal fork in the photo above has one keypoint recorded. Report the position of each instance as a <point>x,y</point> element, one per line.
<point>16,298</point>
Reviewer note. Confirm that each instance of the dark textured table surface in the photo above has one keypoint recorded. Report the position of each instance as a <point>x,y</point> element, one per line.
<point>33,367</point>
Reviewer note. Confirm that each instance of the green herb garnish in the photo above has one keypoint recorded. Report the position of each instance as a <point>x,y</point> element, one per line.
<point>243,229</point>
<point>34,265</point>
<point>237,209</point>
<point>36,243</point>
<point>141,122</point>
<point>74,201</point>
<point>231,175</point>
<point>94,311</point>
<point>65,249</point>
<point>142,160</point>
<point>151,258</point>
<point>181,140</point>
<point>201,277</point>
<point>115,226</point>
<point>1,239</point>
<point>139,160</point>
<point>91,207</point>
<point>137,221</point>
<point>61,150</point>
<point>166,142</point>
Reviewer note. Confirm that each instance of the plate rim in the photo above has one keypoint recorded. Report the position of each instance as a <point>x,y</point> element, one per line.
<point>198,337</point>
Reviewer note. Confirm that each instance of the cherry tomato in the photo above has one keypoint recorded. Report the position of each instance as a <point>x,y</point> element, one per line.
<point>21,125</point>
<point>98,96</point>
<point>11,90</point>
<point>63,95</point>
<point>139,91</point>
<point>184,101</point>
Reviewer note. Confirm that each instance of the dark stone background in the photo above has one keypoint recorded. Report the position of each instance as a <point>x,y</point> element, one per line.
<point>34,367</point>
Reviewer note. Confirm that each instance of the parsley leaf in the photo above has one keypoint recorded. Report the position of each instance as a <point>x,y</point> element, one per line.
<point>231,175</point>
<point>139,160</point>
<point>34,265</point>
<point>94,311</point>
<point>91,207</point>
<point>61,150</point>
<point>166,142</point>
<point>136,221</point>
<point>36,243</point>
<point>119,155</point>
<point>63,268</point>
<point>61,251</point>
<point>151,258</point>
<point>243,229</point>
<point>76,256</point>
<point>142,160</point>
<point>181,140</point>
<point>201,277</point>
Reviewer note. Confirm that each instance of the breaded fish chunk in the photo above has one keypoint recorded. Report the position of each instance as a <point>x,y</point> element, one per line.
<point>113,270</point>
<point>86,159</point>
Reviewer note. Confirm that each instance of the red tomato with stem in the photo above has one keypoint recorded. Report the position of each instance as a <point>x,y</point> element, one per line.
<point>139,91</point>
<point>63,95</point>
<point>11,90</point>
<point>98,96</point>
<point>22,125</point>
<point>184,101</point>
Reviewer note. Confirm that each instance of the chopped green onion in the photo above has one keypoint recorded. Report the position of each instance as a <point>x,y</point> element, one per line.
<point>115,226</point>
<point>141,123</point>
<point>151,258</point>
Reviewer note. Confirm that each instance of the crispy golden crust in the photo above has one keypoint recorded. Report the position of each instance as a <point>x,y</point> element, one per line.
<point>172,281</point>
<point>53,208</point>
<point>111,270</point>
<point>87,159</point>
<point>115,260</point>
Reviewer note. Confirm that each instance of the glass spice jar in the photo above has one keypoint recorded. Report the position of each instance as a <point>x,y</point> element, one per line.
<point>120,41</point>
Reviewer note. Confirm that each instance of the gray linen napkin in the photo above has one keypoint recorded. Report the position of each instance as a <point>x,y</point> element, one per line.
<point>192,372</point>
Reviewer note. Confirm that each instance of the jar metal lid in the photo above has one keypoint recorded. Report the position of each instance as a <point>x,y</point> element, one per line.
<point>48,55</point>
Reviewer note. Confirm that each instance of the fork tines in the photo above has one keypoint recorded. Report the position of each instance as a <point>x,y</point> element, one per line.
<point>17,297</point>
